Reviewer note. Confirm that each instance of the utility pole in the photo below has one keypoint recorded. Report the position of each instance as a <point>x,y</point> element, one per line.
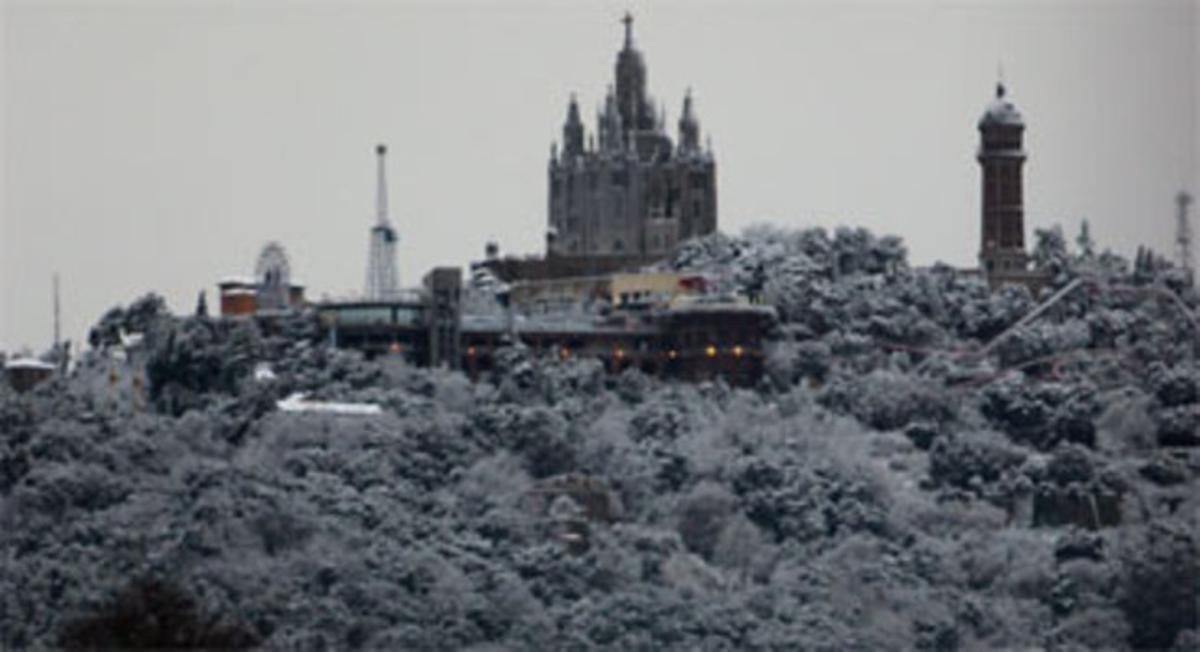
<point>57,320</point>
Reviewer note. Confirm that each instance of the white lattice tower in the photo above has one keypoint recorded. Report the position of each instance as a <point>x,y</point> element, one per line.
<point>382,282</point>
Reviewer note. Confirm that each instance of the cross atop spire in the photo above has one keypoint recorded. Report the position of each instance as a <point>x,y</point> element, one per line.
<point>628,20</point>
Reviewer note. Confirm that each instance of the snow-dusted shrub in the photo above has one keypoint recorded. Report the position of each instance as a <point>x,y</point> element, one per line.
<point>984,315</point>
<point>143,316</point>
<point>154,613</point>
<point>1125,425</point>
<point>740,547</point>
<point>1050,251</point>
<point>1159,582</point>
<point>887,400</point>
<point>540,436</point>
<point>1175,386</point>
<point>792,500</point>
<point>1179,426</point>
<point>789,363</point>
<point>196,357</point>
<point>973,460</point>
<point>1042,343</point>
<point>703,514</point>
<point>1041,414</point>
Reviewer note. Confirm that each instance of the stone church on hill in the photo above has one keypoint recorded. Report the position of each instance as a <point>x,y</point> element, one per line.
<point>626,191</point>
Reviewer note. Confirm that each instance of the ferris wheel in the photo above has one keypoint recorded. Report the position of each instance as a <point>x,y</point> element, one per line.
<point>274,275</point>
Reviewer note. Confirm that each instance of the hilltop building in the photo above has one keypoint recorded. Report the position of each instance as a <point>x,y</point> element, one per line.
<point>629,191</point>
<point>626,195</point>
<point>1001,156</point>
<point>662,323</point>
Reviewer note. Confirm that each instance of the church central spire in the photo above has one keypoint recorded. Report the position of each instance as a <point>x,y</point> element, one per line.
<point>636,111</point>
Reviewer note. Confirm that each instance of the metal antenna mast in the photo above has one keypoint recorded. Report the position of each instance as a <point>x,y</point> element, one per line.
<point>57,319</point>
<point>1183,233</point>
<point>381,257</point>
<point>381,207</point>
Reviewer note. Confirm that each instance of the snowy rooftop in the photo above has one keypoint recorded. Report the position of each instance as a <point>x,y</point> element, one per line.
<point>28,363</point>
<point>251,281</point>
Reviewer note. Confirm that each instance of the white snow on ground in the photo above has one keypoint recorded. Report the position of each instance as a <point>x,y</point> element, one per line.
<point>263,372</point>
<point>296,403</point>
<point>28,363</point>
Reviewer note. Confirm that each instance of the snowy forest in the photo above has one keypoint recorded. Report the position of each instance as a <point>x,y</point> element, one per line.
<point>911,473</point>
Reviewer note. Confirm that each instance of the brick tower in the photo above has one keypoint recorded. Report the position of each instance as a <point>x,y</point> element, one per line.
<point>1002,255</point>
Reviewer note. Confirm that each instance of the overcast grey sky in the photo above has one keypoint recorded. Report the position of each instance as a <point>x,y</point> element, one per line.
<point>157,146</point>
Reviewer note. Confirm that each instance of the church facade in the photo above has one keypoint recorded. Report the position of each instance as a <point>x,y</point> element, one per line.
<point>627,191</point>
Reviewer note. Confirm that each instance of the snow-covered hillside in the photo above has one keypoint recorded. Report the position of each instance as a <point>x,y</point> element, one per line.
<point>892,483</point>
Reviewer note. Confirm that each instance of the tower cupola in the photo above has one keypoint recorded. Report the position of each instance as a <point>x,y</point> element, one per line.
<point>1001,110</point>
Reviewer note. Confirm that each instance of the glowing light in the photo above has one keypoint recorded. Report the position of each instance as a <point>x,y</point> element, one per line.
<point>737,351</point>
<point>672,354</point>
<point>710,351</point>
